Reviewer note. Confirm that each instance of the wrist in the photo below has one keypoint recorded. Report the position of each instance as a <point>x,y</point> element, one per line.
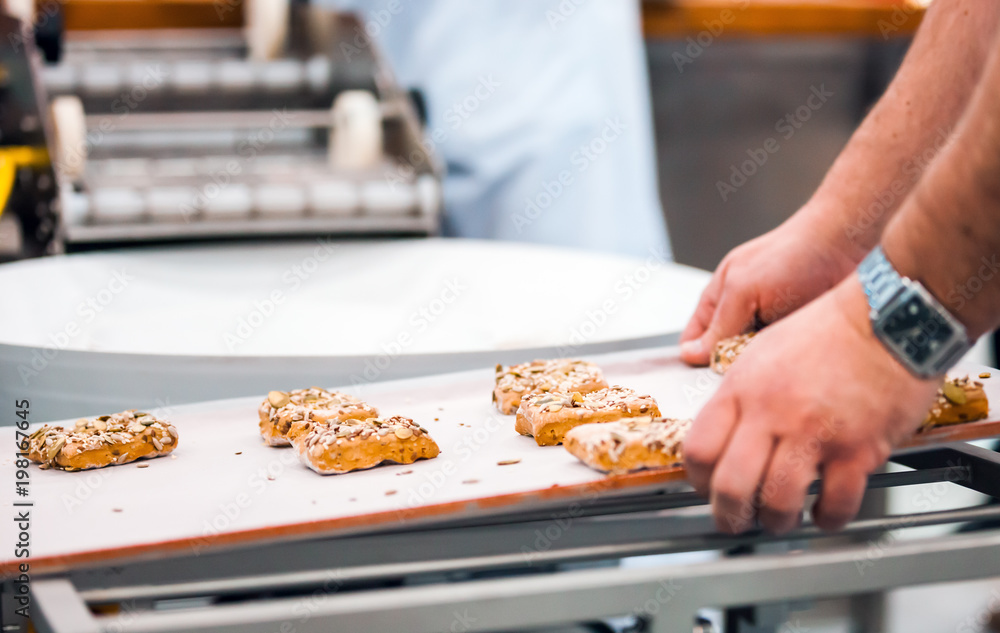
<point>909,321</point>
<point>821,221</point>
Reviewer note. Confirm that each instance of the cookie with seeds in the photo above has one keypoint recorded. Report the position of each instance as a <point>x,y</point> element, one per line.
<point>301,407</point>
<point>629,445</point>
<point>549,416</point>
<point>727,350</point>
<point>105,441</point>
<point>517,381</point>
<point>339,446</point>
<point>958,400</point>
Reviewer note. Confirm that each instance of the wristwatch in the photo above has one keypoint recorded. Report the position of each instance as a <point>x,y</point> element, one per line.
<point>916,329</point>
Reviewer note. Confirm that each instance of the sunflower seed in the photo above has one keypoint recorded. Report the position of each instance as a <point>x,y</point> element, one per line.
<point>403,432</point>
<point>508,462</point>
<point>156,444</point>
<point>101,426</point>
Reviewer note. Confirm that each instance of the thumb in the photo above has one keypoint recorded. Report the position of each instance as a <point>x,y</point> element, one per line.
<point>733,315</point>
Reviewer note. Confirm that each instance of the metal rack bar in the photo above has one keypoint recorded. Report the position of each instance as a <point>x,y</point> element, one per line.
<point>668,595</point>
<point>351,582</point>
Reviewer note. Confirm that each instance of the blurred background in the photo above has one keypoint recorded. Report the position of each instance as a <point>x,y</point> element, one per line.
<point>155,97</point>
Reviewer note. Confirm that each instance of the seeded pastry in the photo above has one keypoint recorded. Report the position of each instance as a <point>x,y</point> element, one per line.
<point>281,410</point>
<point>628,445</point>
<point>104,441</point>
<point>548,416</point>
<point>727,350</point>
<point>340,446</point>
<point>958,400</point>
<point>517,381</point>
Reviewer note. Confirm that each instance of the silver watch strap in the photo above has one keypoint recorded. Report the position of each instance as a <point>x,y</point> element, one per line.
<point>879,279</point>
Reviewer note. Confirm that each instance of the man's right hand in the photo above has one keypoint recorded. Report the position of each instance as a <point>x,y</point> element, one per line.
<point>762,281</point>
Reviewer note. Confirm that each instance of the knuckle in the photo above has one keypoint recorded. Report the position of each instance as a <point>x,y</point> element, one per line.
<point>728,490</point>
<point>697,453</point>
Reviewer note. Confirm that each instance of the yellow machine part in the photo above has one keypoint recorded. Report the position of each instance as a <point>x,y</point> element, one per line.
<point>11,159</point>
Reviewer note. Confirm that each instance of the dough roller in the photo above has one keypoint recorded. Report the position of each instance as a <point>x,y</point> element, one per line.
<point>290,124</point>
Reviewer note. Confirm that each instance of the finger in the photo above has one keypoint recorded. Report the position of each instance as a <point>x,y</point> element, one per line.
<point>785,487</point>
<point>707,439</point>
<point>844,485</point>
<point>706,308</point>
<point>733,315</point>
<point>738,476</point>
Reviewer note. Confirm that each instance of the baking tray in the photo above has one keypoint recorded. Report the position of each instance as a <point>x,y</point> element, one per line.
<point>224,487</point>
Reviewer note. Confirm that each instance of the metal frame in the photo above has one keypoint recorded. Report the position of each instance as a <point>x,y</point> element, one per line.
<point>509,570</point>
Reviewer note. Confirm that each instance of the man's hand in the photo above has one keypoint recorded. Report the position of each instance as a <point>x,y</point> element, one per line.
<point>815,395</point>
<point>762,281</point>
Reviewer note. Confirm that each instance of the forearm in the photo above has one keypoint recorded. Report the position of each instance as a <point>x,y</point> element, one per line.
<point>887,155</point>
<point>947,235</point>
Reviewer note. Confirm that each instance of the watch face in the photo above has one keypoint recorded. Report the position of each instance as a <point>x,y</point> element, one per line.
<point>916,330</point>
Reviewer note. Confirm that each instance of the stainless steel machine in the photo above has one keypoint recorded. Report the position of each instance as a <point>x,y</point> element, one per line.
<point>291,125</point>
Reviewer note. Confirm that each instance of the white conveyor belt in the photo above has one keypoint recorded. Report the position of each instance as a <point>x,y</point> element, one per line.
<point>89,333</point>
